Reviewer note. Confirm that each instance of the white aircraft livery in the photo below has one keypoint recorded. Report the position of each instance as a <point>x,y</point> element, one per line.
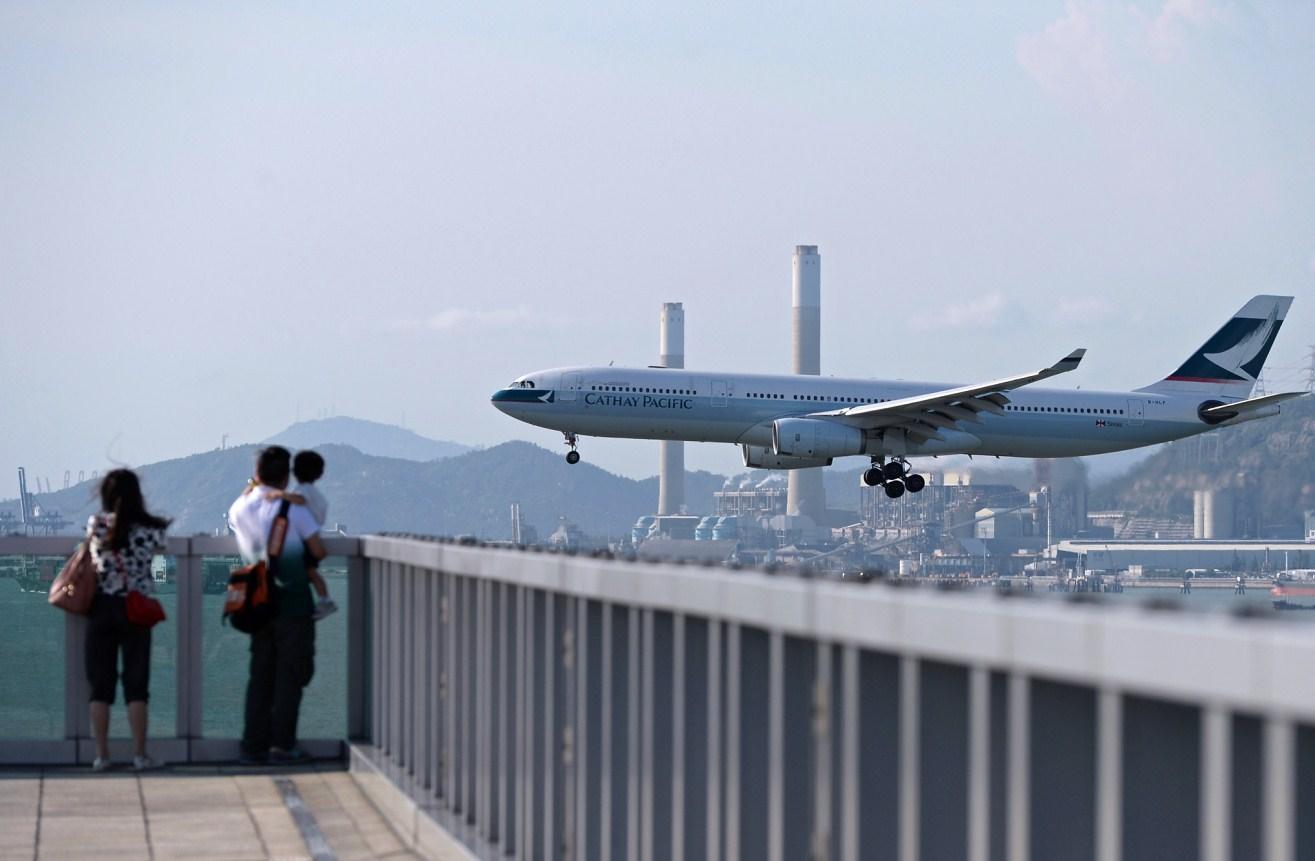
<point>797,422</point>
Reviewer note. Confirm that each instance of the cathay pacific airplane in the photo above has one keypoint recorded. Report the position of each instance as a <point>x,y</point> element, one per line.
<point>797,422</point>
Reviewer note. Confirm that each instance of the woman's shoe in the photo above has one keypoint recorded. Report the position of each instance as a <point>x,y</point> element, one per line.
<point>142,763</point>
<point>100,764</point>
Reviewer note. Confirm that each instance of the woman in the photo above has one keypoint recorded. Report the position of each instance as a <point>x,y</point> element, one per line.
<point>123,538</point>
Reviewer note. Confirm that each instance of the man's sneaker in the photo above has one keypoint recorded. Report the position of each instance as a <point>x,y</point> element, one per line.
<point>142,763</point>
<point>324,607</point>
<point>294,756</point>
<point>100,764</point>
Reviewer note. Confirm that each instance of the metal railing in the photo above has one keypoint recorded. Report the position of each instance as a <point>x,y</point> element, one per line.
<point>188,743</point>
<point>546,706</point>
<point>537,705</point>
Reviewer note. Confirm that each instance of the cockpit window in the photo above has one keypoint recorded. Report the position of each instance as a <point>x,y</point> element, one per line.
<point>521,384</point>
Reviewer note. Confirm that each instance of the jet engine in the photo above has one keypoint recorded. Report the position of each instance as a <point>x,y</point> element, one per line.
<point>758,457</point>
<point>816,438</point>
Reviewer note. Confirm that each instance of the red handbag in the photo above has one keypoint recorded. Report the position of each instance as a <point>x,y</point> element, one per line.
<point>144,610</point>
<point>75,585</point>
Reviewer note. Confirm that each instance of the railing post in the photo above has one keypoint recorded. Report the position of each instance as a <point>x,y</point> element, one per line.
<point>77,720</point>
<point>679,756</point>
<point>360,647</point>
<point>910,714</point>
<point>377,651</point>
<point>849,735</point>
<point>1020,760</point>
<point>732,742</point>
<point>1109,775</point>
<point>1216,783</point>
<point>190,666</point>
<point>979,764</point>
<point>715,749</point>
<point>1278,799</point>
<point>775,824</point>
<point>646,732</point>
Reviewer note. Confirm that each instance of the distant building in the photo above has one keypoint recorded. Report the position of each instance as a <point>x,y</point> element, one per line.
<point>748,497</point>
<point>992,523</point>
<point>1237,556</point>
<point>1310,525</point>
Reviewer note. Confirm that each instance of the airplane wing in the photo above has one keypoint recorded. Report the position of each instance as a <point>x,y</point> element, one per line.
<point>1223,412</point>
<point>922,416</point>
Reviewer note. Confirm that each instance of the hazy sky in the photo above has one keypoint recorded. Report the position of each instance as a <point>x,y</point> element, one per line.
<point>216,218</point>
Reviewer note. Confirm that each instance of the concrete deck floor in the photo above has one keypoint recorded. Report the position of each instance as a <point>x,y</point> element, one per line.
<point>190,813</point>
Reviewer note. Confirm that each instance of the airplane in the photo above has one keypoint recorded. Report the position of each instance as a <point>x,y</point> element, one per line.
<point>800,422</point>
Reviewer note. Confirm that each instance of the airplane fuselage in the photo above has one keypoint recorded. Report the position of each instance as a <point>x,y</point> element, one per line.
<point>668,404</point>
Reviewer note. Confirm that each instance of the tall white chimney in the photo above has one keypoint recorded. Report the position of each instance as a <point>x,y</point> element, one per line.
<point>671,465</point>
<point>805,494</point>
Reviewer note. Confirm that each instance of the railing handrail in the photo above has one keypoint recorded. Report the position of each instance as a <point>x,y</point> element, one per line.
<point>1251,662</point>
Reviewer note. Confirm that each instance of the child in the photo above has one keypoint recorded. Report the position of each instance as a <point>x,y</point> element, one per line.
<point>307,467</point>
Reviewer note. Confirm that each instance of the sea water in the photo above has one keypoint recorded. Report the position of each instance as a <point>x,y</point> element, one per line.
<point>33,671</point>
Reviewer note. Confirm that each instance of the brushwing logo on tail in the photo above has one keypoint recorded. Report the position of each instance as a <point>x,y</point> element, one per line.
<point>1236,352</point>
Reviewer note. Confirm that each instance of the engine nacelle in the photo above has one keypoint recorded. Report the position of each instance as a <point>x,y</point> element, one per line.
<point>757,457</point>
<point>815,438</point>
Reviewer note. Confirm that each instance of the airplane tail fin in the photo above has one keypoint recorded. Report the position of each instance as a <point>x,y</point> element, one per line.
<point>1228,364</point>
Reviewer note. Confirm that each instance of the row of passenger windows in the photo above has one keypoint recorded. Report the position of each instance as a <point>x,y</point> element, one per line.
<point>641,390</point>
<point>830,400</point>
<point>1086,410</point>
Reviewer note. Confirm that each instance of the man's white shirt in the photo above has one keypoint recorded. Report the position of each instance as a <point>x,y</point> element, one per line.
<point>251,516</point>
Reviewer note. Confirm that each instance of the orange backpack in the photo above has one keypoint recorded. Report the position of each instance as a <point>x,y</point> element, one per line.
<point>252,599</point>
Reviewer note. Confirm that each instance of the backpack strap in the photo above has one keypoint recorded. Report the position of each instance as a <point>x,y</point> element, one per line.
<point>278,531</point>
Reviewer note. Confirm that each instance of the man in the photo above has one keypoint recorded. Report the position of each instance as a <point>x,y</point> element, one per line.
<point>283,652</point>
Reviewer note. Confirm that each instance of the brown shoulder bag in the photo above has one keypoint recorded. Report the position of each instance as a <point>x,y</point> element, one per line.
<point>75,585</point>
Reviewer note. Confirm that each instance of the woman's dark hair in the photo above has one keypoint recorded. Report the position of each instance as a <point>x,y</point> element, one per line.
<point>121,495</point>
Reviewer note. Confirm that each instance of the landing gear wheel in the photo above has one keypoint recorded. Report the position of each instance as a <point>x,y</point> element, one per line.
<point>873,476</point>
<point>915,483</point>
<point>893,470</point>
<point>573,457</point>
<point>895,489</point>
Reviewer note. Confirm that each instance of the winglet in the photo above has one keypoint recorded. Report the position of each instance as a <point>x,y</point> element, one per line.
<point>1066,364</point>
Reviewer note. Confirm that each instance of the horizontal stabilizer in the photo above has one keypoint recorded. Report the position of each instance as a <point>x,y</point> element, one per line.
<point>1223,412</point>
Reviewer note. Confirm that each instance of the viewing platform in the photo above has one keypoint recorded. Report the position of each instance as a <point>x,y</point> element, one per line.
<point>497,703</point>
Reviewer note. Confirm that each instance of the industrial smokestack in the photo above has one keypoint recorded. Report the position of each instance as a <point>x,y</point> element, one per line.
<point>806,495</point>
<point>671,465</point>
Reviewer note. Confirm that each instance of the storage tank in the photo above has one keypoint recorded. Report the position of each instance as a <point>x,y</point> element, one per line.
<point>640,530</point>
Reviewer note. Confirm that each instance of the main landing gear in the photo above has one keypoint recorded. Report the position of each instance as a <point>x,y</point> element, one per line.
<point>572,456</point>
<point>894,477</point>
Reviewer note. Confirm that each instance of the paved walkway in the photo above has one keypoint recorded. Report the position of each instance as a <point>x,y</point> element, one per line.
<point>202,814</point>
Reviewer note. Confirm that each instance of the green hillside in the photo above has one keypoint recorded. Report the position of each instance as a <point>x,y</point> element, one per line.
<point>1270,463</point>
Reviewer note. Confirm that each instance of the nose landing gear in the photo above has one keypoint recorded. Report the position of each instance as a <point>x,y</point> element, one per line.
<point>572,456</point>
<point>894,477</point>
